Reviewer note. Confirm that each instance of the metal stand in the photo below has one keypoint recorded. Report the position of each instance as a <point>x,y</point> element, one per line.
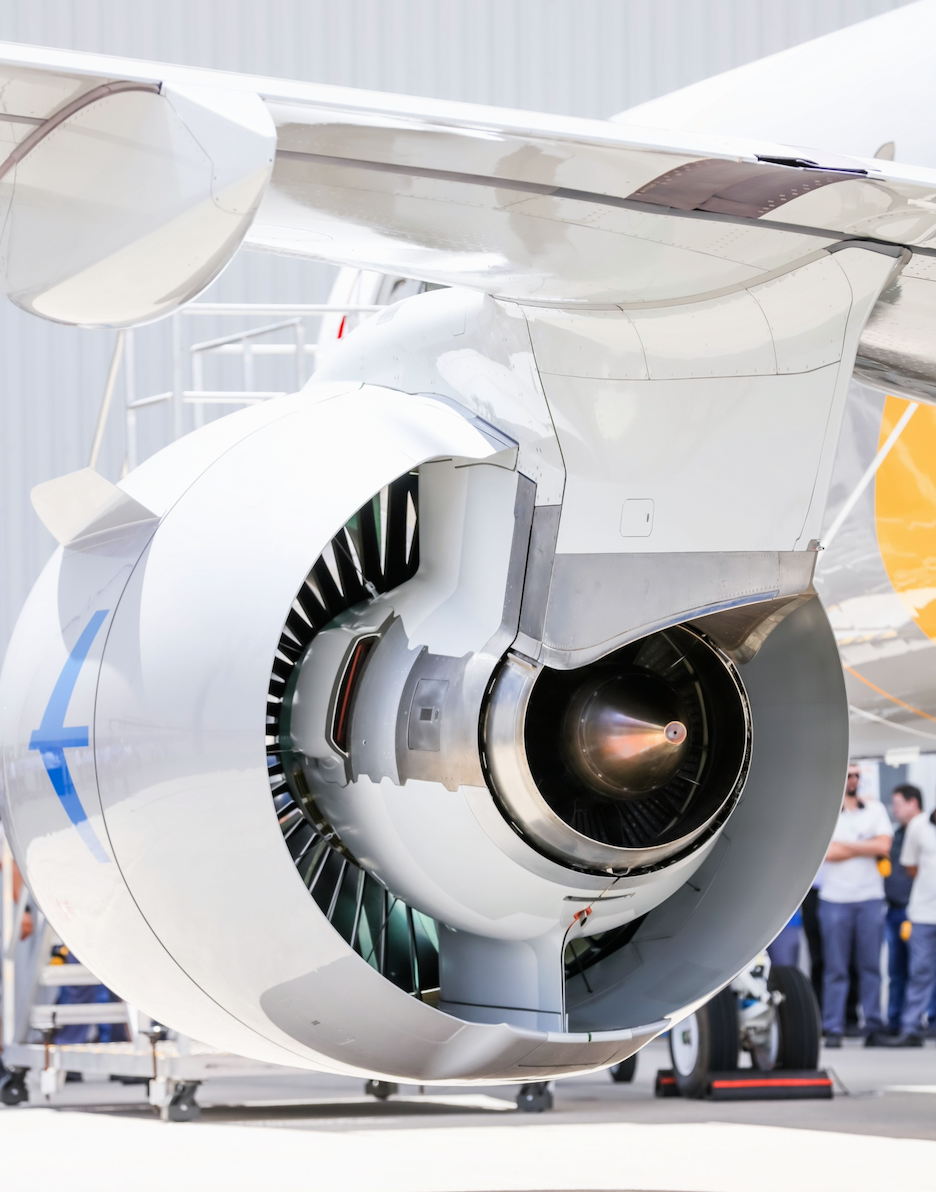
<point>13,1090</point>
<point>241,344</point>
<point>175,1099</point>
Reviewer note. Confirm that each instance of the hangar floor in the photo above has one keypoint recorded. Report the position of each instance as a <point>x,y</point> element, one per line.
<point>601,1135</point>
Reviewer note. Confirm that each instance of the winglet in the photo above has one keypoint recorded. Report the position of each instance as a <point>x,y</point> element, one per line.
<point>82,503</point>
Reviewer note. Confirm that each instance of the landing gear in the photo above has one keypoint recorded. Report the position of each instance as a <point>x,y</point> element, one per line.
<point>705,1042</point>
<point>769,1011</point>
<point>535,1098</point>
<point>625,1071</point>
<point>381,1089</point>
<point>13,1091</point>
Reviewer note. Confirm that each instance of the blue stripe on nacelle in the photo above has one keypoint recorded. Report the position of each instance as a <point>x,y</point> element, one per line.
<point>52,738</point>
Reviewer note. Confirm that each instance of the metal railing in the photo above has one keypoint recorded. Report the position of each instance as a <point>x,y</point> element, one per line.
<point>243,344</point>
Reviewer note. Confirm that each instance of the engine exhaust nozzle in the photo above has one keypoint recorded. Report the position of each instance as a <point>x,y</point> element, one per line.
<point>625,735</point>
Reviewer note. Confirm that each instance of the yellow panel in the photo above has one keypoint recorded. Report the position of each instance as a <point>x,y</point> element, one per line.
<point>905,510</point>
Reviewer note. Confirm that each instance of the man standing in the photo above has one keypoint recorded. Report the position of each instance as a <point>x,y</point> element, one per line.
<point>919,857</point>
<point>851,912</point>
<point>906,803</point>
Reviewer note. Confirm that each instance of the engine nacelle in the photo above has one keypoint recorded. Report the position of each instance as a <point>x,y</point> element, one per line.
<point>345,745</point>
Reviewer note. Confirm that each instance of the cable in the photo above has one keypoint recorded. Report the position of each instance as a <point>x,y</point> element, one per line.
<point>576,918</point>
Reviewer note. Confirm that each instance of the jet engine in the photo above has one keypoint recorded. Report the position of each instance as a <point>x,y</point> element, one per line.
<point>321,745</point>
<point>470,714</point>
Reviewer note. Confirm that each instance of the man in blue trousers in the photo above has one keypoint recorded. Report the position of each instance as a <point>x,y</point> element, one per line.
<point>919,856</point>
<point>852,910</point>
<point>906,803</point>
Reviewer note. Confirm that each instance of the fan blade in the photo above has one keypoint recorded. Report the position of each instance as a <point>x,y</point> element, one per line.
<point>354,590</point>
<point>369,545</point>
<point>332,596</point>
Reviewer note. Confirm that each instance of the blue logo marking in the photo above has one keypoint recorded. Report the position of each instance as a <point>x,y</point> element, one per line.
<point>52,738</point>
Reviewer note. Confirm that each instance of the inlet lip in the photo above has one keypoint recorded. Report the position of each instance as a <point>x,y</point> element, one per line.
<point>521,801</point>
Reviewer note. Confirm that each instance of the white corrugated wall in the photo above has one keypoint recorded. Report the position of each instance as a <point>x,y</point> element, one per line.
<point>580,57</point>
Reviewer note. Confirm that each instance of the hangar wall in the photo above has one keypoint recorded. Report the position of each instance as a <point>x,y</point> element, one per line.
<point>579,57</point>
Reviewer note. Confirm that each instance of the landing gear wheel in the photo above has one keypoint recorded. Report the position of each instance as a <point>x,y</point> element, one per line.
<point>13,1091</point>
<point>381,1089</point>
<point>797,1018</point>
<point>534,1098</point>
<point>625,1071</point>
<point>705,1042</point>
<point>183,1107</point>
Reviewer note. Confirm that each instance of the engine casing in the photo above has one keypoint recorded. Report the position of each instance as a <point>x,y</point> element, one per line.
<point>207,713</point>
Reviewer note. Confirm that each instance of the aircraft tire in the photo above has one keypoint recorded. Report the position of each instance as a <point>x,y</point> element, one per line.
<point>798,1018</point>
<point>705,1042</point>
<point>625,1071</point>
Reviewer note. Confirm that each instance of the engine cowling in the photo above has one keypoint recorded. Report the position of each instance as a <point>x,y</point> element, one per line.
<point>301,764</point>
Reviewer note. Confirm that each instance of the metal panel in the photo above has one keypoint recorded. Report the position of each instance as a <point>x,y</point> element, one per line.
<point>551,55</point>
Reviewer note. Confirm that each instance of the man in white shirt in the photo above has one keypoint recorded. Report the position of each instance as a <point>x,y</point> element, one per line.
<point>918,856</point>
<point>852,910</point>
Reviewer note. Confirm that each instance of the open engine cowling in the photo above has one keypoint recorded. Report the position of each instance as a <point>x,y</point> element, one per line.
<point>297,758</point>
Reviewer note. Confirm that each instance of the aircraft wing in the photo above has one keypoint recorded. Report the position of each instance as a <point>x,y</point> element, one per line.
<point>563,211</point>
<point>867,90</point>
<point>127,186</point>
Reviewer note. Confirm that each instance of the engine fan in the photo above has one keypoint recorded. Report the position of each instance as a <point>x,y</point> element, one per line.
<point>376,551</point>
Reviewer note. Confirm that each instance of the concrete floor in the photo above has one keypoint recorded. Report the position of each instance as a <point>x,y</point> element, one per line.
<point>599,1135</point>
<point>887,1093</point>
